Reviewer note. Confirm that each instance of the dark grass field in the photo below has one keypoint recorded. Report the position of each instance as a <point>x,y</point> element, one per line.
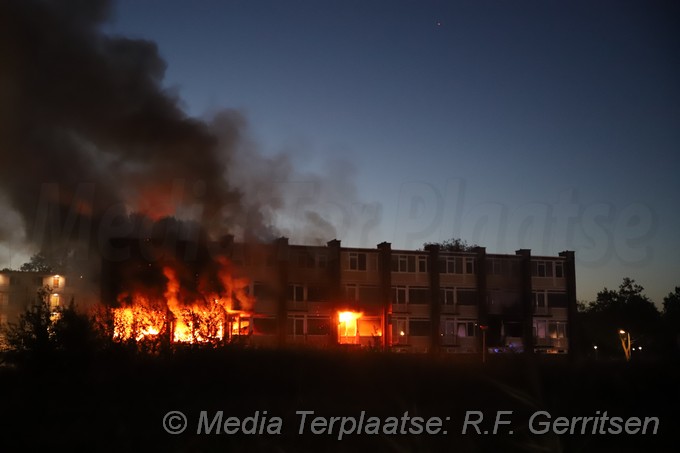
<point>117,403</point>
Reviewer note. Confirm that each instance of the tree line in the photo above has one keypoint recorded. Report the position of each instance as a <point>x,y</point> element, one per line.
<point>628,311</point>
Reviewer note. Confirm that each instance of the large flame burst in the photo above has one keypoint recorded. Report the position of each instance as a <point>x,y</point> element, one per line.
<point>348,332</point>
<point>210,318</point>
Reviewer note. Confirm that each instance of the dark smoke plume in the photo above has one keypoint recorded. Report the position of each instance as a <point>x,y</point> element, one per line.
<point>88,135</point>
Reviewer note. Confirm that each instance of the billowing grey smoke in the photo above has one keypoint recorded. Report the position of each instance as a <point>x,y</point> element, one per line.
<point>89,135</point>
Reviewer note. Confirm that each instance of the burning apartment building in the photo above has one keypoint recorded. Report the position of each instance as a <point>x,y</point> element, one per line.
<point>284,295</point>
<point>92,142</point>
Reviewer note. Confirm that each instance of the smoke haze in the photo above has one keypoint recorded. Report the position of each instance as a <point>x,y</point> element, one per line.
<point>89,136</point>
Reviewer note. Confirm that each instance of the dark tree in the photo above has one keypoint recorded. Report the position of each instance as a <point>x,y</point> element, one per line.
<point>627,309</point>
<point>30,338</point>
<point>37,263</point>
<point>453,245</point>
<point>45,333</point>
<point>671,319</point>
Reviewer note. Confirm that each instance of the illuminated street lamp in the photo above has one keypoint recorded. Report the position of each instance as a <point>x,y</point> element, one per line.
<point>595,348</point>
<point>625,343</point>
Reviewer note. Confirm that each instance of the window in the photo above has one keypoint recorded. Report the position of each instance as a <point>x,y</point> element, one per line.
<point>317,294</point>
<point>369,327</point>
<point>398,294</point>
<point>351,292</point>
<point>558,300</point>
<point>418,295</point>
<point>497,266</point>
<point>296,293</point>
<point>348,332</point>
<point>540,301</point>
<point>420,327</point>
<point>469,265</point>
<point>540,328</point>
<point>557,329</point>
<point>357,261</point>
<point>264,326</point>
<point>447,265</point>
<point>422,264</point>
<point>411,260</point>
<point>54,300</point>
<point>296,325</point>
<point>55,281</point>
<point>369,294</point>
<point>323,261</point>
<point>399,330</point>
<point>406,263</point>
<point>541,269</point>
<point>448,327</point>
<point>547,269</point>
<point>467,297</point>
<point>261,290</point>
<point>318,326</point>
<point>409,263</point>
<point>456,265</point>
<point>305,260</point>
<point>447,296</point>
<point>395,263</point>
<point>465,329</point>
<point>559,270</point>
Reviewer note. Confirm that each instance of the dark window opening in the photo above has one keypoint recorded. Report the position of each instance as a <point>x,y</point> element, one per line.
<point>420,328</point>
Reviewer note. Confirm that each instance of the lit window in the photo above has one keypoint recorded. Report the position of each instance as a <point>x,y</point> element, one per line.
<point>465,329</point>
<point>399,330</point>
<point>55,281</point>
<point>348,332</point>
<point>54,300</point>
<point>370,327</point>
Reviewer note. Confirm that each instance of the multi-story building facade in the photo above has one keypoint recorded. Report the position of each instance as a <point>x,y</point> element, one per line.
<point>426,301</point>
<point>430,300</point>
<point>19,290</point>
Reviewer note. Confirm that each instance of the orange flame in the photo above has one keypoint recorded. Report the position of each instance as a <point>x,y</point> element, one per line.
<point>348,332</point>
<point>210,319</point>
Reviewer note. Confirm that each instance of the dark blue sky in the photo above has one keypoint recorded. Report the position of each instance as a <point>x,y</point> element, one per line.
<point>539,124</point>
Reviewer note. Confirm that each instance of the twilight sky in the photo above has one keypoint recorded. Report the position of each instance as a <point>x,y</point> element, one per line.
<point>526,124</point>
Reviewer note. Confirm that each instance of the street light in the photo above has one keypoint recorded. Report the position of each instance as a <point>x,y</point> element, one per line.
<point>625,343</point>
<point>595,348</point>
